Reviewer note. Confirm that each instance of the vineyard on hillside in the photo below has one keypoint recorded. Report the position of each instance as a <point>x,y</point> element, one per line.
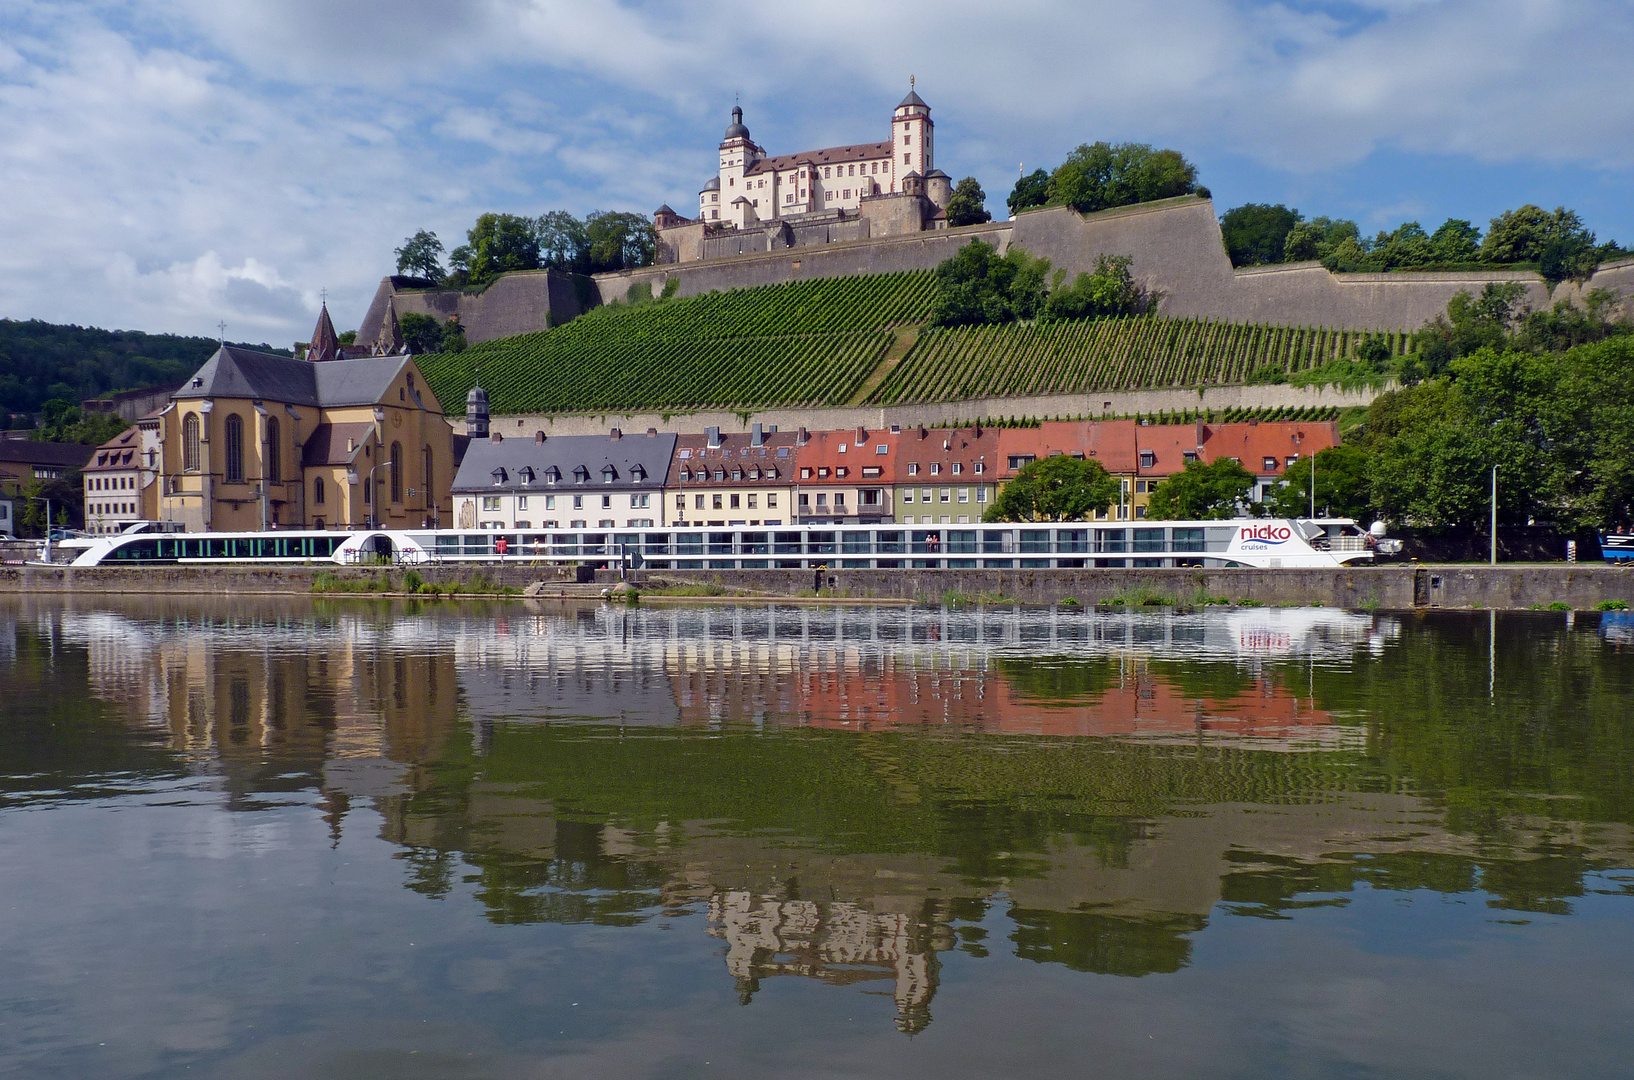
<point>1105,354</point>
<point>811,342</point>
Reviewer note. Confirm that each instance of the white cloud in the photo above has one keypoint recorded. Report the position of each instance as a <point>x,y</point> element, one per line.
<point>201,160</point>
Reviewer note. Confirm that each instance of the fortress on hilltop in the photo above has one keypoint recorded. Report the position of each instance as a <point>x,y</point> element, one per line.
<point>880,207</point>
<point>755,202</point>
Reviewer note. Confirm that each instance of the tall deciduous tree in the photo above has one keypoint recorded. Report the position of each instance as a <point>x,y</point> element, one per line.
<point>1343,485</point>
<point>496,244</point>
<point>1202,492</point>
<point>1058,488</point>
<point>1030,191</point>
<point>1257,233</point>
<point>1099,176</point>
<point>968,204</point>
<point>421,257</point>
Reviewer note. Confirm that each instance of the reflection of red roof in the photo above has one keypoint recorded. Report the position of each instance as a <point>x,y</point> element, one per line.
<point>1252,443</point>
<point>862,697</point>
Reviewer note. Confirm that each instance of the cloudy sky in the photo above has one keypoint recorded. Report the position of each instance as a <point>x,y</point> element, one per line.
<point>171,163</point>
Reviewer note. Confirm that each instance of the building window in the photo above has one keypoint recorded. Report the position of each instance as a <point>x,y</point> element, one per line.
<point>1270,464</point>
<point>396,472</point>
<point>550,502</point>
<point>1148,459</point>
<point>907,495</point>
<point>913,468</point>
<point>521,502</point>
<point>981,494</point>
<point>754,502</point>
<point>771,500</point>
<point>964,495</point>
<point>1018,461</point>
<point>839,499</point>
<point>578,502</point>
<point>979,468</point>
<point>906,158</point>
<point>234,465</point>
<point>715,502</point>
<point>936,469</point>
<point>275,463</point>
<point>680,502</point>
<point>947,494</point>
<point>606,502</point>
<point>490,502</point>
<point>190,443</point>
<point>697,502</point>
<point>736,503</point>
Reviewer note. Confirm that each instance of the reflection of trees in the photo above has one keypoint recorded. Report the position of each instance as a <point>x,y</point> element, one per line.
<point>1105,944</point>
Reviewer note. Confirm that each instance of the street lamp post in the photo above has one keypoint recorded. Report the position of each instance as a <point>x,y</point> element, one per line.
<point>1494,515</point>
<point>374,495</point>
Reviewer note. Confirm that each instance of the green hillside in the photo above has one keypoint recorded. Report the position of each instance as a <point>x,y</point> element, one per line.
<point>1104,354</point>
<point>811,342</point>
<point>40,361</point>
<point>848,340</point>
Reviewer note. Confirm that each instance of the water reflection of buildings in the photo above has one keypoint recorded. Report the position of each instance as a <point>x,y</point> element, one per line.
<point>357,705</point>
<point>837,942</point>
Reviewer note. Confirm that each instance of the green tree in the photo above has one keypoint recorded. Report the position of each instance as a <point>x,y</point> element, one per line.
<point>421,257</point>
<point>1202,492</point>
<point>968,204</point>
<point>1058,488</point>
<point>1317,238</point>
<point>1470,324</point>
<point>1030,191</point>
<point>1407,247</point>
<point>1456,241</point>
<point>63,421</point>
<point>977,285</point>
<point>1099,176</point>
<point>618,241</point>
<point>1257,233</point>
<point>496,244</point>
<point>1110,290</point>
<point>421,333</point>
<point>1343,485</point>
<point>563,242</point>
<point>1516,235</point>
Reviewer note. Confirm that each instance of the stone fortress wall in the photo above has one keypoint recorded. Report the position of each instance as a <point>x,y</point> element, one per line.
<point>1175,244</point>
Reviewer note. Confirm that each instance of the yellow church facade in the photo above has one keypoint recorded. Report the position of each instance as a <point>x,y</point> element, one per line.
<point>257,441</point>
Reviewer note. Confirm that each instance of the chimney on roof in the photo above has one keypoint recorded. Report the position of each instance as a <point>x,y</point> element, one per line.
<point>862,435</point>
<point>652,433</point>
<point>978,429</point>
<point>496,437</point>
<point>1253,421</point>
<point>615,434</point>
<point>757,437</point>
<point>714,434</point>
<point>538,438</point>
<point>923,434</point>
<point>802,437</point>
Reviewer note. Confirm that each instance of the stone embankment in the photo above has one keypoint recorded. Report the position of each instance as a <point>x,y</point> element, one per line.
<point>1402,586</point>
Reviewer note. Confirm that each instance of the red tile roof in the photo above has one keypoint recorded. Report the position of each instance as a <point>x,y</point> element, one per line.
<point>1251,443</point>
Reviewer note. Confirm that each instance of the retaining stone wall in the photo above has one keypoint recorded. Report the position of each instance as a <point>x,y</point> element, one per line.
<point>1398,586</point>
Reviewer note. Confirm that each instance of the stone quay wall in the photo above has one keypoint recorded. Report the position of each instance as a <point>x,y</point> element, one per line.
<point>1399,586</point>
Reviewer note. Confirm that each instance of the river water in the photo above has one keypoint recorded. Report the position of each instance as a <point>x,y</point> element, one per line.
<point>277,838</point>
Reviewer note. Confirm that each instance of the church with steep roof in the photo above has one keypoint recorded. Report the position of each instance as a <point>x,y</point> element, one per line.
<point>842,192</point>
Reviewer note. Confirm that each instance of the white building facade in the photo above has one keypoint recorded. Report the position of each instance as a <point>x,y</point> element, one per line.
<point>752,187</point>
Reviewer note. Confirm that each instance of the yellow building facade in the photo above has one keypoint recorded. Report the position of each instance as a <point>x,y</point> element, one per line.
<point>257,441</point>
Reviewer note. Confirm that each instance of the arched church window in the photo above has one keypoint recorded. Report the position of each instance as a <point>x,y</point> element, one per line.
<point>190,443</point>
<point>274,465</point>
<point>233,468</point>
<point>318,492</point>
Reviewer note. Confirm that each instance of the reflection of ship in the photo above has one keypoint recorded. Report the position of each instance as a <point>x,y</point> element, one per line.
<point>1618,627</point>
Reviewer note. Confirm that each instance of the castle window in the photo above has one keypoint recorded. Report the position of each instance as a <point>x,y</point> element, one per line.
<point>907,140</point>
<point>827,171</point>
<point>851,170</point>
<point>906,158</point>
<point>848,193</point>
<point>789,197</point>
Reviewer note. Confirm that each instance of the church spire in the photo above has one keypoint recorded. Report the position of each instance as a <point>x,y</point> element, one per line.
<point>325,342</point>
<point>390,341</point>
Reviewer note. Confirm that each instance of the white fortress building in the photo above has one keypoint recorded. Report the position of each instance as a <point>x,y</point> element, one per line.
<point>758,203</point>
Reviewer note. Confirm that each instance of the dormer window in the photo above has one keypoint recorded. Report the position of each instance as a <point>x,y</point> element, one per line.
<point>638,473</point>
<point>913,468</point>
<point>737,476</point>
<point>936,468</point>
<point>608,474</point>
<point>553,475</point>
<point>720,474</point>
<point>1148,459</point>
<point>754,474</point>
<point>822,473</point>
<point>1270,464</point>
<point>581,475</point>
<point>499,476</point>
<point>525,474</point>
